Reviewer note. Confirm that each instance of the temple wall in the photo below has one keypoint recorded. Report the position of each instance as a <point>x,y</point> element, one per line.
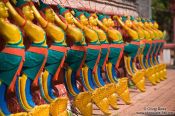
<point>128,7</point>
<point>121,7</point>
<point>144,8</point>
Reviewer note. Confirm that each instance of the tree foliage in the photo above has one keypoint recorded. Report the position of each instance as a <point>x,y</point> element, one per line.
<point>161,13</point>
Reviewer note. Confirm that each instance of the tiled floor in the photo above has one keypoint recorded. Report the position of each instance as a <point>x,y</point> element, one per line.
<point>159,99</point>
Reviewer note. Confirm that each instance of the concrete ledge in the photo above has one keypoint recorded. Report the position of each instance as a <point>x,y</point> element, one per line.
<point>169,46</point>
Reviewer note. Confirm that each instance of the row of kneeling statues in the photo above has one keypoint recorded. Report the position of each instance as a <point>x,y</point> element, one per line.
<point>45,46</point>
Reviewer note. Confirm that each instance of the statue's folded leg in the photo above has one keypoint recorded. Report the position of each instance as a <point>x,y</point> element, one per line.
<point>162,67</point>
<point>121,86</point>
<point>155,59</point>
<point>82,100</point>
<point>98,79</point>
<point>3,103</point>
<point>152,62</point>
<point>59,107</point>
<point>89,68</point>
<point>107,90</point>
<point>149,72</point>
<point>34,63</point>
<point>113,62</point>
<point>45,83</point>
<point>143,64</point>
<point>71,82</point>
<point>110,93</point>
<point>55,61</point>
<point>111,73</point>
<point>11,63</point>
<point>97,97</point>
<point>101,100</point>
<point>101,66</point>
<point>53,66</point>
<point>138,76</point>
<point>23,92</point>
<point>87,79</point>
<point>123,90</point>
<point>115,56</point>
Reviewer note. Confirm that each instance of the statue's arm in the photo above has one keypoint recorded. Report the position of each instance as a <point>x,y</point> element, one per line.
<point>78,24</point>
<point>19,20</point>
<point>60,23</point>
<point>40,19</point>
<point>102,26</point>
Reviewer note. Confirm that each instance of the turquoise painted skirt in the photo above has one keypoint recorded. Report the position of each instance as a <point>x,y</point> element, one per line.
<point>53,61</point>
<point>74,59</point>
<point>104,52</point>
<point>114,55</point>
<point>32,64</point>
<point>131,50</point>
<point>91,57</point>
<point>9,66</point>
<point>146,49</point>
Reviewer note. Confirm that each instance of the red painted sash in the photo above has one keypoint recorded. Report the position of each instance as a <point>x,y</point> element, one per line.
<point>59,49</point>
<point>43,51</point>
<point>78,48</point>
<point>17,52</point>
<point>135,42</point>
<point>143,41</point>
